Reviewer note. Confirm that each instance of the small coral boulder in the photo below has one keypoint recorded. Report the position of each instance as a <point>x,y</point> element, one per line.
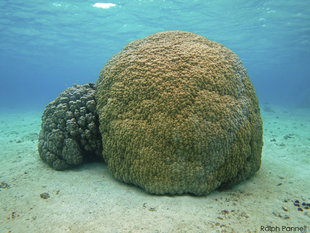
<point>69,132</point>
<point>178,114</point>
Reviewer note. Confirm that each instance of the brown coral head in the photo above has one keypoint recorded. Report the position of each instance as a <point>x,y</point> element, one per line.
<point>178,114</point>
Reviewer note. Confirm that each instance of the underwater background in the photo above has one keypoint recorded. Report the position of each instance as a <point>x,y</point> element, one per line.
<point>47,46</point>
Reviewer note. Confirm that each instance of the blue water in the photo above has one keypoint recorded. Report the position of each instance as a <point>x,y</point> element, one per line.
<point>46,46</point>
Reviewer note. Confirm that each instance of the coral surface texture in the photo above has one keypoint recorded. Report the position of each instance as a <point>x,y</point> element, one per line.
<point>178,114</point>
<point>69,132</point>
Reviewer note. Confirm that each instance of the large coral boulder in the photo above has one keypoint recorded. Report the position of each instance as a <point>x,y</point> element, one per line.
<point>69,133</point>
<point>178,114</point>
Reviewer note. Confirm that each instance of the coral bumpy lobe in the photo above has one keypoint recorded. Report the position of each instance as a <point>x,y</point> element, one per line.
<point>178,114</point>
<point>69,132</point>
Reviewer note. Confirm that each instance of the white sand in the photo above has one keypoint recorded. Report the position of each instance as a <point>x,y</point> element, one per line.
<point>88,199</point>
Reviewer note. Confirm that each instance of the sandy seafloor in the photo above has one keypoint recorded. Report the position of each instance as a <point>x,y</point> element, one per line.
<point>88,199</point>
